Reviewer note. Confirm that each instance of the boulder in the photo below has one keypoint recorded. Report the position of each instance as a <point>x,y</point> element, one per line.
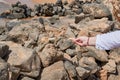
<point>49,55</point>
<point>89,64</point>
<point>64,44</point>
<point>26,32</point>
<point>23,59</point>
<point>97,10</point>
<point>99,55</point>
<point>110,66</point>
<point>55,71</point>
<point>83,73</point>
<point>70,68</point>
<point>94,27</point>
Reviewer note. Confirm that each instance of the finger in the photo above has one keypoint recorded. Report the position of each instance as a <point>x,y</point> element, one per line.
<point>78,43</point>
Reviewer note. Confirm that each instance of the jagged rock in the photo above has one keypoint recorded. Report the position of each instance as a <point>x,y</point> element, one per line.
<point>4,74</point>
<point>97,54</point>
<point>24,59</point>
<point>71,52</point>
<point>70,68</point>
<point>94,27</point>
<point>55,72</point>
<point>79,17</point>
<point>115,76</point>
<point>26,32</point>
<point>12,23</point>
<point>89,64</point>
<point>4,50</point>
<point>50,55</point>
<point>114,55</point>
<point>75,60</point>
<point>71,33</point>
<point>27,78</point>
<point>64,44</point>
<point>97,10</point>
<point>110,66</point>
<point>83,73</point>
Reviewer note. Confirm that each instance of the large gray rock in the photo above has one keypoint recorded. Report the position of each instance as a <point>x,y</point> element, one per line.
<point>70,68</point>
<point>26,32</point>
<point>4,75</point>
<point>12,23</point>
<point>64,44</point>
<point>83,73</point>
<point>54,72</point>
<point>89,64</point>
<point>97,10</point>
<point>50,55</point>
<point>99,55</point>
<point>26,61</point>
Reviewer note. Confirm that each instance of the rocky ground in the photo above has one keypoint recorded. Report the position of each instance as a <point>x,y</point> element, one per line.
<point>35,44</point>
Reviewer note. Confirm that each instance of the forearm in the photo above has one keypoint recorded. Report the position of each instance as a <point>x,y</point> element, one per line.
<point>108,41</point>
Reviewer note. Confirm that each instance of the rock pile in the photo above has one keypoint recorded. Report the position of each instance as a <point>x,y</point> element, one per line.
<point>96,9</point>
<point>40,49</point>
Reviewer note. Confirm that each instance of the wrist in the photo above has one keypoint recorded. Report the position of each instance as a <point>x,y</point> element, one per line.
<point>91,41</point>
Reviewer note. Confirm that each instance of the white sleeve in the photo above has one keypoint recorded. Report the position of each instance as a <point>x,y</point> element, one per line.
<point>108,41</point>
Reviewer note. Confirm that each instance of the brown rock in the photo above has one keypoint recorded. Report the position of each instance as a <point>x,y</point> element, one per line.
<point>94,27</point>
<point>50,55</point>
<point>70,68</point>
<point>110,66</point>
<point>89,64</point>
<point>97,54</point>
<point>24,59</point>
<point>54,72</point>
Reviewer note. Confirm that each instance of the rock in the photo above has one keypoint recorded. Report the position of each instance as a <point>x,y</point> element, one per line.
<point>4,7</point>
<point>75,60</point>
<point>115,76</point>
<point>99,55</point>
<point>70,33</point>
<point>4,74</point>
<point>97,10</point>
<point>71,52</point>
<point>26,32</point>
<point>11,24</point>
<point>89,64</point>
<point>94,27</point>
<point>114,55</point>
<point>64,44</point>
<point>83,73</point>
<point>79,17</point>
<point>27,78</point>
<point>49,55</point>
<point>4,50</point>
<point>55,72</point>
<point>54,19</point>
<point>70,68</point>
<point>110,66</point>
<point>24,59</point>
<point>16,16</point>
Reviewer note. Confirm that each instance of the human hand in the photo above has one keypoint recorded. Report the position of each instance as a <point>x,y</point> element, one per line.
<point>81,41</point>
<point>84,41</point>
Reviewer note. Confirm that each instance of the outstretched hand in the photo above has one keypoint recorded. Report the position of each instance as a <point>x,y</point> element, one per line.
<point>81,41</point>
<point>84,41</point>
